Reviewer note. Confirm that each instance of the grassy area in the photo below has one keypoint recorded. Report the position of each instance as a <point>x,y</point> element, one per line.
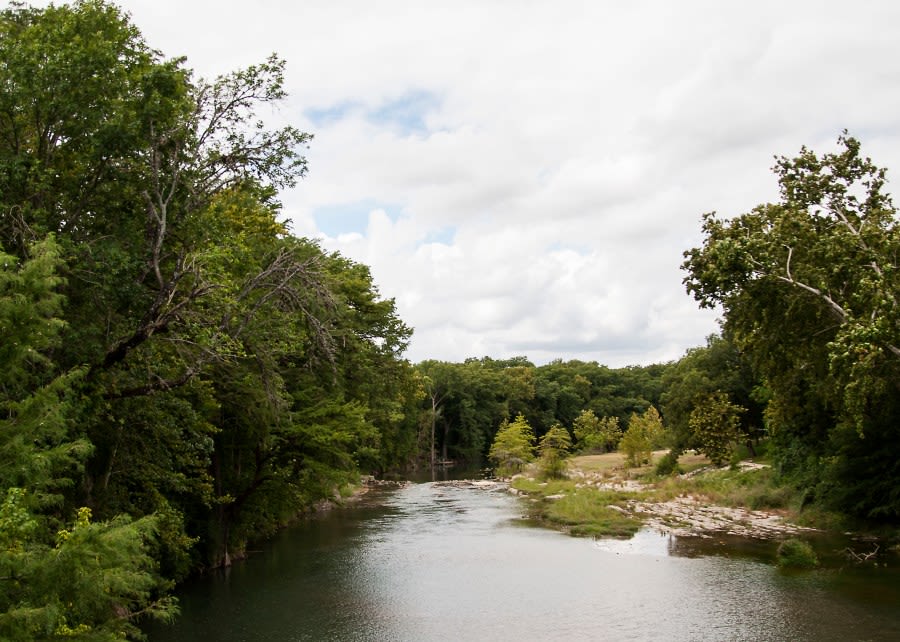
<point>754,489</point>
<point>583,511</point>
<point>607,463</point>
<point>591,512</point>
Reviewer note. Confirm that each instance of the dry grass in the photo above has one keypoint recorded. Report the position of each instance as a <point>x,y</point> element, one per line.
<point>607,462</point>
<point>613,464</point>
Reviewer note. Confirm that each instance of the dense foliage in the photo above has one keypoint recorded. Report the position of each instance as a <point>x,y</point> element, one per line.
<point>178,372</point>
<point>809,289</point>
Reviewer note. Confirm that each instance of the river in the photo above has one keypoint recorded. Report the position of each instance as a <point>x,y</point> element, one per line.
<point>438,561</point>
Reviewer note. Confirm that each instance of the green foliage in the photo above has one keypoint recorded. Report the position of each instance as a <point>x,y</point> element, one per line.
<point>594,434</point>
<point>716,367</point>
<point>759,489</point>
<point>513,447</point>
<point>98,576</point>
<point>643,433</point>
<point>795,553</point>
<point>94,582</point>
<point>714,424</point>
<point>467,401</point>
<point>809,292</point>
<point>169,350</point>
<point>553,448</point>
<point>668,465</point>
<point>587,513</point>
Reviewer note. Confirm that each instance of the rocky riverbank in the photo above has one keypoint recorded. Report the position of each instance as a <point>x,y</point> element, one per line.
<point>698,504</point>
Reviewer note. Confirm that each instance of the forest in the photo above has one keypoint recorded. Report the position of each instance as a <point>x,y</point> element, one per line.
<point>180,374</point>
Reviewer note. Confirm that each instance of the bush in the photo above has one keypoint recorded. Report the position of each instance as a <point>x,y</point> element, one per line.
<point>668,465</point>
<point>795,553</point>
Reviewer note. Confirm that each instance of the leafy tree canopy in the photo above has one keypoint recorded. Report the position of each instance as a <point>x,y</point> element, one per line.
<point>809,289</point>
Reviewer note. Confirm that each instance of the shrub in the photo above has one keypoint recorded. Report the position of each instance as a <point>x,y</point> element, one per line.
<point>795,553</point>
<point>668,465</point>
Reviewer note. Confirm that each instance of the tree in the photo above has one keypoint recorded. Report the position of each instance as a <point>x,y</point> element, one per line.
<point>98,577</point>
<point>229,374</point>
<point>554,447</point>
<point>644,432</point>
<point>715,424</point>
<point>94,583</point>
<point>809,290</point>
<point>513,446</point>
<point>474,397</point>
<point>592,433</point>
<point>716,367</point>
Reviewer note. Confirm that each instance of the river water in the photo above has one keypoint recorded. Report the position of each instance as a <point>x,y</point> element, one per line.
<point>438,561</point>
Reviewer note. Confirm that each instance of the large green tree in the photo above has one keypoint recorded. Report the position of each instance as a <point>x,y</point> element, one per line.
<point>714,422</point>
<point>85,579</point>
<point>717,367</point>
<point>229,374</point>
<point>809,290</point>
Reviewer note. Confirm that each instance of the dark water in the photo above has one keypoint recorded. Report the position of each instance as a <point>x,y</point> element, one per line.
<point>440,562</point>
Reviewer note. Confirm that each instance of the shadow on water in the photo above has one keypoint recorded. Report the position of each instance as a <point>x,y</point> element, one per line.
<point>449,473</point>
<point>449,561</point>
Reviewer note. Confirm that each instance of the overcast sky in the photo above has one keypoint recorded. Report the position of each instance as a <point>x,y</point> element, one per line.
<point>523,177</point>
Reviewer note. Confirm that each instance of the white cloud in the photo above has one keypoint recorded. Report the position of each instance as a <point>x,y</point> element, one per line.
<point>549,161</point>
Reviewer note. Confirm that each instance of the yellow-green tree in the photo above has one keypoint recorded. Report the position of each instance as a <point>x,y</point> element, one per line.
<point>513,446</point>
<point>644,431</point>
<point>554,448</point>
<point>594,433</point>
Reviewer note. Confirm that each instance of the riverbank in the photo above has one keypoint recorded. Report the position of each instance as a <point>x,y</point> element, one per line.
<point>601,497</point>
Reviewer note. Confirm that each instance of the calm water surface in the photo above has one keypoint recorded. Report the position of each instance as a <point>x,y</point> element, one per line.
<point>435,561</point>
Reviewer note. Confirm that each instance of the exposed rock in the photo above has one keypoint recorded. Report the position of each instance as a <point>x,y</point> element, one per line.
<point>690,516</point>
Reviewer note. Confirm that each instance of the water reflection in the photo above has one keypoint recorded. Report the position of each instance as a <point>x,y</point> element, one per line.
<point>440,561</point>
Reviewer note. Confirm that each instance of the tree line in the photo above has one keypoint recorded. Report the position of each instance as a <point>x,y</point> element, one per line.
<point>179,373</point>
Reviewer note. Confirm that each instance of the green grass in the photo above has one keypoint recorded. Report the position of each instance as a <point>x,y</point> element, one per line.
<point>580,511</point>
<point>754,489</point>
<point>587,512</point>
<point>606,463</point>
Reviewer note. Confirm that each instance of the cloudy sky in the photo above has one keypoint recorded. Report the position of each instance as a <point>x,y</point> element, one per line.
<point>523,176</point>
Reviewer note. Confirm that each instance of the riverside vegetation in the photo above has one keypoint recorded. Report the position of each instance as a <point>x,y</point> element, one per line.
<point>179,373</point>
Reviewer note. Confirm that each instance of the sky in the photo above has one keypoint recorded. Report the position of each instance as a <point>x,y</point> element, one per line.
<point>523,177</point>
